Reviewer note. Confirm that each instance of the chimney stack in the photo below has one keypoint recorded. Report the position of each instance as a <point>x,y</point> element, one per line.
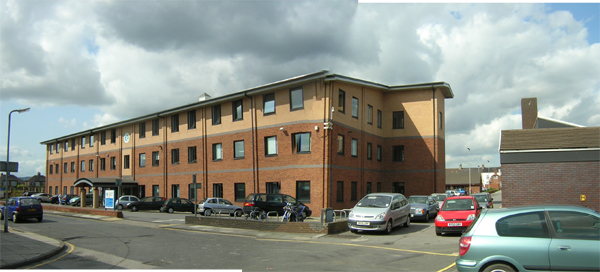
<point>529,112</point>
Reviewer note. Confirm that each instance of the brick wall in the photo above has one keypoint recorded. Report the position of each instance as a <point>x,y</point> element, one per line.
<point>551,183</point>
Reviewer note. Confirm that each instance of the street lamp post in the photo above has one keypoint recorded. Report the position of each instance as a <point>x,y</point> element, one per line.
<point>7,169</point>
<point>469,170</point>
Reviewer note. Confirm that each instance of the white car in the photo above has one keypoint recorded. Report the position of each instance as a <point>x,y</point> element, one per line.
<point>42,197</point>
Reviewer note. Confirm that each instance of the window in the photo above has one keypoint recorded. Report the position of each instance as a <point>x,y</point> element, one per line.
<point>354,107</point>
<point>155,158</point>
<point>82,166</point>
<point>340,139</point>
<point>379,117</point>
<point>269,103</point>
<point>532,225</point>
<point>301,142</point>
<point>66,146</point>
<point>354,191</point>
<point>398,187</point>
<point>91,166</point>
<point>218,190</point>
<point>175,156</point>
<point>303,191</point>
<point>369,114</point>
<point>398,120</point>
<point>50,170</point>
<point>113,163</point>
<point>155,190</point>
<point>440,120</point>
<point>240,192</point>
<point>368,188</point>
<point>72,144</point>
<point>271,146</point>
<point>142,130</point>
<point>175,191</point>
<point>103,138</point>
<point>378,153</point>
<point>342,101</point>
<point>175,123</point>
<point>238,111</point>
<point>91,140</point>
<point>369,151</point>
<point>155,127</point>
<point>64,190</point>
<point>83,142</point>
<point>296,99</point>
<point>143,160</point>
<point>50,190</point>
<point>57,168</point>
<point>57,148</point>
<point>398,155</point>
<point>217,150</point>
<point>191,154</point>
<point>574,225</point>
<point>126,162</point>
<point>113,136</point>
<point>354,151</point>
<point>191,119</point>
<point>238,149</point>
<point>72,167</point>
<point>192,192</point>
<point>273,188</point>
<point>340,191</point>
<point>216,115</point>
<point>51,148</point>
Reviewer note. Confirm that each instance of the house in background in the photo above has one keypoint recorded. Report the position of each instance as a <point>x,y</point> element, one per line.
<point>459,178</point>
<point>550,162</point>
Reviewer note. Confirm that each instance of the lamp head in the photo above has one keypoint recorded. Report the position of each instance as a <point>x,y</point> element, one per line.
<point>23,110</point>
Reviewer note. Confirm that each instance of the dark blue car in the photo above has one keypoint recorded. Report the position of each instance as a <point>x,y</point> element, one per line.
<point>20,208</point>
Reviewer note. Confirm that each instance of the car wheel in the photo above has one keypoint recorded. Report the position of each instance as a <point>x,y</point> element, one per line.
<point>499,267</point>
<point>239,213</point>
<point>388,227</point>
<point>171,210</point>
<point>426,217</point>
<point>353,230</point>
<point>438,231</point>
<point>207,212</point>
<point>14,218</point>
<point>407,224</point>
<point>2,215</point>
<point>40,219</point>
<point>134,208</point>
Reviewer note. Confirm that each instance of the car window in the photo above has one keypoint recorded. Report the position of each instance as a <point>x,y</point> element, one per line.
<point>375,201</point>
<point>185,201</point>
<point>226,202</point>
<point>575,225</point>
<point>417,200</point>
<point>458,205</point>
<point>213,201</point>
<point>29,202</point>
<point>274,198</point>
<point>532,225</point>
<point>260,198</point>
<point>289,199</point>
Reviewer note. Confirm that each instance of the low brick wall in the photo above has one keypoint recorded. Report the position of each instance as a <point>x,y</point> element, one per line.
<point>291,227</point>
<point>71,209</point>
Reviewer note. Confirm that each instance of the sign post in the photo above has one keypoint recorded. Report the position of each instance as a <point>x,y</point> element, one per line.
<point>109,199</point>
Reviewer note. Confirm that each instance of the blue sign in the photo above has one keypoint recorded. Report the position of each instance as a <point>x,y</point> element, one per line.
<point>109,199</point>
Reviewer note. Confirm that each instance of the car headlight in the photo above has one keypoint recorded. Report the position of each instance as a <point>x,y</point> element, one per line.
<point>351,214</point>
<point>471,217</point>
<point>440,218</point>
<point>380,216</point>
<point>420,211</point>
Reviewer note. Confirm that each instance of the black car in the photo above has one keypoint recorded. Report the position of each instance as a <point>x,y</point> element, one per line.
<point>146,203</point>
<point>54,199</point>
<point>178,205</point>
<point>270,203</point>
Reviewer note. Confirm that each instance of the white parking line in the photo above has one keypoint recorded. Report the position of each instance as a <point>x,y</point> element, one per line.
<point>161,221</point>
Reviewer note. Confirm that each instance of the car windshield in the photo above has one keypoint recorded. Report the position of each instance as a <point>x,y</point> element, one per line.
<point>29,202</point>
<point>202,201</point>
<point>439,198</point>
<point>418,200</point>
<point>481,198</point>
<point>458,205</point>
<point>375,201</point>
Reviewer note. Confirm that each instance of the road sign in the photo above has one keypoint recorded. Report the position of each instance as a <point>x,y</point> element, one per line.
<point>13,167</point>
<point>109,199</point>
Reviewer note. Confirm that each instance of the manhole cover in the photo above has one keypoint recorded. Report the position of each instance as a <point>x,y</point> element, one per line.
<point>158,263</point>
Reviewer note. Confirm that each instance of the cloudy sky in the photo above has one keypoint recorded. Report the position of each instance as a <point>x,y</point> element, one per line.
<point>83,64</point>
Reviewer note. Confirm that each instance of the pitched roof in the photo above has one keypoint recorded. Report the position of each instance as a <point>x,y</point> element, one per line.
<point>550,138</point>
<point>461,176</point>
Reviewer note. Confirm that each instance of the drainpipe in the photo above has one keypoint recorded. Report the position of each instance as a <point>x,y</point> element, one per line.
<point>252,129</point>
<point>434,144</point>
<point>164,151</point>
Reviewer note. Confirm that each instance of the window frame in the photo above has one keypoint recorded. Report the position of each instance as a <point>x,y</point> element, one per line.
<point>113,136</point>
<point>175,123</point>
<point>379,118</point>
<point>126,164</point>
<point>216,114</point>
<point>292,91</point>
<point>191,115</point>
<point>142,130</point>
<point>342,101</point>
<point>267,153</point>
<point>156,127</point>
<point>218,190</point>
<point>175,156</point>
<point>301,193</point>
<point>354,147</point>
<point>239,192</point>
<point>340,140</point>
<point>155,158</point>
<point>192,154</point>
<point>82,166</point>
<point>91,165</point>
<point>237,110</point>
<point>398,153</point>
<point>217,149</point>
<point>270,97</point>
<point>355,107</point>
<point>297,148</point>
<point>339,188</point>
<point>113,163</point>
<point>353,191</point>
<point>398,120</point>
<point>379,154</point>
<point>370,151</point>
<point>142,160</point>
<point>236,150</point>
<point>369,114</point>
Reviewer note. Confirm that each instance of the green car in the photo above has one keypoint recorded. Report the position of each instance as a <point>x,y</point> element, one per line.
<point>532,238</point>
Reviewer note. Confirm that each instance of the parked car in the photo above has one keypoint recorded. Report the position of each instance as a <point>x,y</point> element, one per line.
<point>450,192</point>
<point>54,199</point>
<point>380,212</point>
<point>42,197</point>
<point>146,203</point>
<point>485,200</point>
<point>272,202</point>
<point>20,208</point>
<point>28,193</point>
<point>178,205</point>
<point>439,199</point>
<point>64,199</point>
<point>217,205</point>
<point>457,213</point>
<point>76,201</point>
<point>422,207</point>
<point>532,238</point>
<point>124,200</point>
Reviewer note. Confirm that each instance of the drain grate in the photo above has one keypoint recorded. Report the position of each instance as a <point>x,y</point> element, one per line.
<point>158,263</point>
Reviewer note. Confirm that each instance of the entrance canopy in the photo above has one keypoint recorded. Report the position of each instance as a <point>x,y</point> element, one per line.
<point>104,182</point>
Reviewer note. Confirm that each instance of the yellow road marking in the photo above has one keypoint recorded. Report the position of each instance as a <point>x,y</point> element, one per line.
<point>446,268</point>
<point>56,259</point>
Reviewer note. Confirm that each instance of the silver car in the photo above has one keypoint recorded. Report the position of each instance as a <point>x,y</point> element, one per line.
<point>42,197</point>
<point>218,205</point>
<point>379,211</point>
<point>124,200</point>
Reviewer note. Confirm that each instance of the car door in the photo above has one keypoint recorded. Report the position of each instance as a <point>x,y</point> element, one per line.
<point>432,205</point>
<point>226,206</point>
<point>187,206</point>
<point>576,241</point>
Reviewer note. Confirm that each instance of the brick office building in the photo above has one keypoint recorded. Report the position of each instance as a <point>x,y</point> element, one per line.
<point>323,138</point>
<point>550,162</point>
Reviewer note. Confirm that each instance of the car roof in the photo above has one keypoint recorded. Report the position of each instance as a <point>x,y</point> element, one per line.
<point>480,194</point>
<point>459,197</point>
<point>554,207</point>
<point>384,194</point>
<point>418,196</point>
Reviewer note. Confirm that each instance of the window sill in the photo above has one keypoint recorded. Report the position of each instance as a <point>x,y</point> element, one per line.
<point>271,155</point>
<point>192,161</point>
<point>240,158</point>
<point>218,160</point>
<point>267,114</point>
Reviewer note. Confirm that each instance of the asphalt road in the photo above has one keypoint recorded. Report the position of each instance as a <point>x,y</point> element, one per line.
<point>144,241</point>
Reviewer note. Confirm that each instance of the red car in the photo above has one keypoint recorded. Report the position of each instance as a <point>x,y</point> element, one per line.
<point>457,214</point>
